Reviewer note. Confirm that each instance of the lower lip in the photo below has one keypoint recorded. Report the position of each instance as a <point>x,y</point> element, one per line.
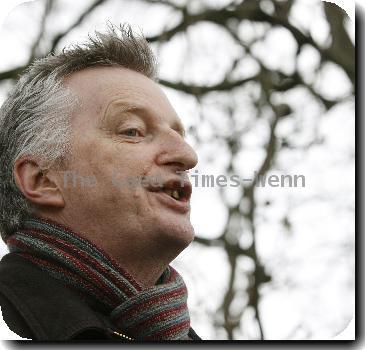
<point>180,206</point>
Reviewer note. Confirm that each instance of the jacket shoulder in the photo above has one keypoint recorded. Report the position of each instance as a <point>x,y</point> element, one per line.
<point>15,312</point>
<point>37,306</point>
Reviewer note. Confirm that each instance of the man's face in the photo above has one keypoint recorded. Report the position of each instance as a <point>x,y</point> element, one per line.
<point>126,129</point>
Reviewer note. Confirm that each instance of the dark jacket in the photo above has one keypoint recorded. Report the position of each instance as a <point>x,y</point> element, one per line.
<point>37,306</point>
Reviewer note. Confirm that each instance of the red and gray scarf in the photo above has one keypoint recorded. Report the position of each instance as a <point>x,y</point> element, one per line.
<point>156,313</point>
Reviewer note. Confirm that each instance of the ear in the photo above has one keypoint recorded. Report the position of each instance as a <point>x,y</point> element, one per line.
<point>38,187</point>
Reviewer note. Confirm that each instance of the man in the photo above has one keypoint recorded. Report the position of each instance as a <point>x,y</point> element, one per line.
<point>89,249</point>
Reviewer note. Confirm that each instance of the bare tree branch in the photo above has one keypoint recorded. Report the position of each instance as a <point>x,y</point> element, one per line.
<point>47,9</point>
<point>76,23</point>
<point>199,90</point>
<point>12,73</point>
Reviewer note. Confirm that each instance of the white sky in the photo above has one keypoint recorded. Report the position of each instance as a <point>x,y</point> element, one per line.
<point>213,220</point>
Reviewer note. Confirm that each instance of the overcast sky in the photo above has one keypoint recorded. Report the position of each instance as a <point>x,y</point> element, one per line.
<point>314,224</point>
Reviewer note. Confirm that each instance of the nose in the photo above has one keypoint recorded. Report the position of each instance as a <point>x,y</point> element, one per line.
<point>176,152</point>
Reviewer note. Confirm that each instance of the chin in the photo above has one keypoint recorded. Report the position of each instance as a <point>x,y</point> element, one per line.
<point>178,234</point>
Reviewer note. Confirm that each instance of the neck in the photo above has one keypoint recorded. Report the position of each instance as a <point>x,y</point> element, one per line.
<point>145,263</point>
<point>146,273</point>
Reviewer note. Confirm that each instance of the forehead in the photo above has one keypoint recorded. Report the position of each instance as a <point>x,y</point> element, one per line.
<point>101,89</point>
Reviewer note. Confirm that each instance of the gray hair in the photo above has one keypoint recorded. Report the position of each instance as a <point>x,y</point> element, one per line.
<point>35,118</point>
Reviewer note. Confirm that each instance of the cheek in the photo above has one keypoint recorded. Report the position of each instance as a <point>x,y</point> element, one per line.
<point>111,165</point>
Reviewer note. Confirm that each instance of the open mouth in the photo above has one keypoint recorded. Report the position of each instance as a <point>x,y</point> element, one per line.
<point>178,190</point>
<point>174,193</point>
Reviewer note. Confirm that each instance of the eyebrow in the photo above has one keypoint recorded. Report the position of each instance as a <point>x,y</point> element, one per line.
<point>124,107</point>
<point>114,108</point>
<point>118,107</point>
<point>179,128</point>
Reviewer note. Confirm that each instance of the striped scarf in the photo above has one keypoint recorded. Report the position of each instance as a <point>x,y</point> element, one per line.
<point>156,313</point>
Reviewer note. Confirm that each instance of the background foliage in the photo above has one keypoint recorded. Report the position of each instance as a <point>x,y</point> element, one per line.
<point>264,87</point>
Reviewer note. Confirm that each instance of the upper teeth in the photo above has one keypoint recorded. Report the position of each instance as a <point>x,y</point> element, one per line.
<point>173,193</point>
<point>176,194</point>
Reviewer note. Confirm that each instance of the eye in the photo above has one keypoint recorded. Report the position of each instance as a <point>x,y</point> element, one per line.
<point>132,132</point>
